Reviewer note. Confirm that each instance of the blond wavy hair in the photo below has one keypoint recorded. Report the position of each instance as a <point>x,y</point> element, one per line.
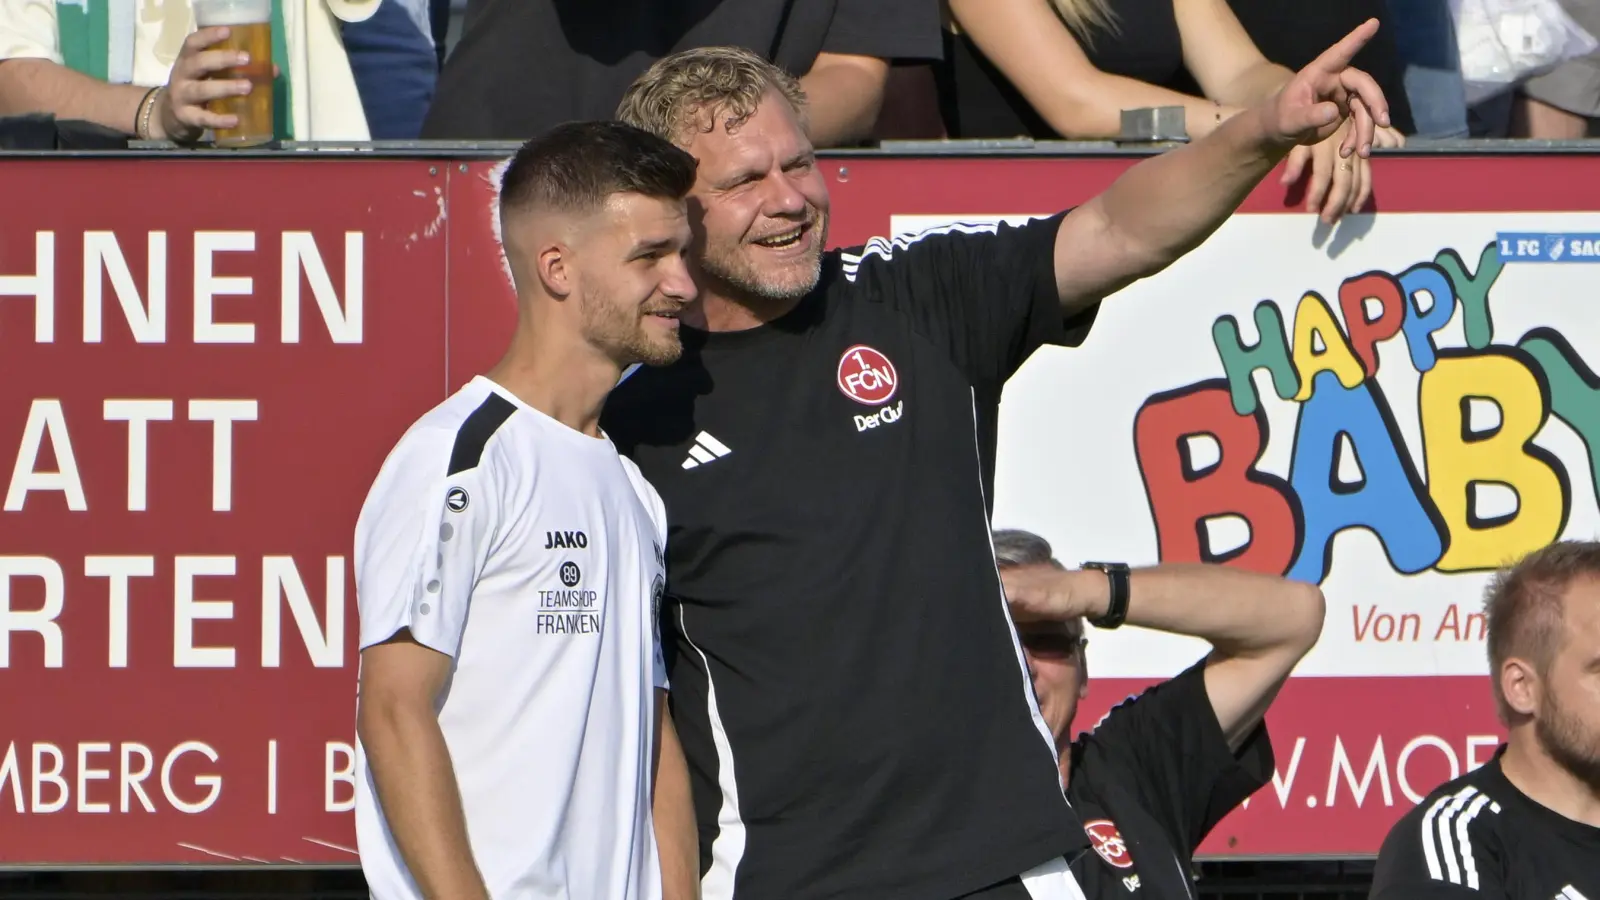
<point>1085,17</point>
<point>696,90</point>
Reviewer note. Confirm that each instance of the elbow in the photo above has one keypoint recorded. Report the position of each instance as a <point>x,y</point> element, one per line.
<point>13,96</point>
<point>1081,111</point>
<point>846,94</point>
<point>382,718</point>
<point>1309,611</point>
<point>1141,257</point>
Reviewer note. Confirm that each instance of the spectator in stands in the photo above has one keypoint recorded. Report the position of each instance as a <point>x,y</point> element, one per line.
<point>1562,104</point>
<point>147,77</point>
<point>522,66</point>
<point>1068,68</point>
<point>1526,824</point>
<point>1161,769</point>
<point>396,66</point>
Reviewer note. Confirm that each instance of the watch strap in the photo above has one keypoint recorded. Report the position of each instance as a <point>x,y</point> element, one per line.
<point>1117,610</point>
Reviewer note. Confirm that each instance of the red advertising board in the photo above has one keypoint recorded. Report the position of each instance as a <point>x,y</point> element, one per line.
<point>189,431</point>
<point>205,362</point>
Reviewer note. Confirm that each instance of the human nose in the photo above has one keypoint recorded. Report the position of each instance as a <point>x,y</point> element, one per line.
<point>677,283</point>
<point>783,199</point>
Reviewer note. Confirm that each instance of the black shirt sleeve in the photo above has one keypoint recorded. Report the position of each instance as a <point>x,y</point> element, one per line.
<point>1170,739</point>
<point>987,293</point>
<point>887,29</point>
<point>1414,864</point>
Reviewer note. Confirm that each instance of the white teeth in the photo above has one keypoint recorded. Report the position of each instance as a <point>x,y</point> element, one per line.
<point>782,240</point>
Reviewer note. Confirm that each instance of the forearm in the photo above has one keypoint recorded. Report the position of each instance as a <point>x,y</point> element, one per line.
<point>843,100</point>
<point>1093,110</point>
<point>1255,85</point>
<point>1240,613</point>
<point>416,786</point>
<point>39,85</point>
<point>677,837</point>
<point>1169,204</point>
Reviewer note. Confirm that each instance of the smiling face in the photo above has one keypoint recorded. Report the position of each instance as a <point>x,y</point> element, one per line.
<point>760,205</point>
<point>633,278</point>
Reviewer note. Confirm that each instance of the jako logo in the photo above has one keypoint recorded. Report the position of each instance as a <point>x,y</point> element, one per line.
<point>568,539</point>
<point>866,376</point>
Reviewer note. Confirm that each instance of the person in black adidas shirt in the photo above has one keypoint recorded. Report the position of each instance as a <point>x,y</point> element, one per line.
<point>1526,824</point>
<point>858,722</point>
<point>1162,768</point>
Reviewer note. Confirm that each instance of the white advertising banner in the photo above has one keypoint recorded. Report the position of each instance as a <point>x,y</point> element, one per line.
<point>1392,417</point>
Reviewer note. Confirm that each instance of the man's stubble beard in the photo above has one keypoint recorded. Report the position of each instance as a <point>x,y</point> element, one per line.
<point>1567,741</point>
<point>731,272</point>
<point>621,333</point>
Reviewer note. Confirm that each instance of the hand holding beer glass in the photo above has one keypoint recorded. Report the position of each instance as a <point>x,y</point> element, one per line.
<point>222,79</point>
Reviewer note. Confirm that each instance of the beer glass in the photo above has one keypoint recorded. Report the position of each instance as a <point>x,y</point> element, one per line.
<point>249,24</point>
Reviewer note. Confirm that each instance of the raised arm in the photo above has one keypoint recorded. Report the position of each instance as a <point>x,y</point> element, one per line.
<point>672,807</point>
<point>1259,626</point>
<point>1167,205</point>
<point>399,728</point>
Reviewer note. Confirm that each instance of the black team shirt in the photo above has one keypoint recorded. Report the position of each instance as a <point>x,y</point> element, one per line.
<point>848,690</point>
<point>1151,781</point>
<point>1479,838</point>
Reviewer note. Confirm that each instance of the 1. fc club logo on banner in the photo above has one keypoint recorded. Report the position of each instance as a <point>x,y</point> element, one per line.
<point>867,376</point>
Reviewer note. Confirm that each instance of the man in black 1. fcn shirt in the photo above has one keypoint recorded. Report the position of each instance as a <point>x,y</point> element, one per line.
<point>1526,824</point>
<point>858,722</point>
<point>1158,772</point>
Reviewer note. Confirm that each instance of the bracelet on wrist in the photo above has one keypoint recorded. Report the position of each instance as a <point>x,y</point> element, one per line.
<point>141,119</point>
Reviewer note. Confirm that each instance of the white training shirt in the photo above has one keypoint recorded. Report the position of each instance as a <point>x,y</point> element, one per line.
<point>531,554</point>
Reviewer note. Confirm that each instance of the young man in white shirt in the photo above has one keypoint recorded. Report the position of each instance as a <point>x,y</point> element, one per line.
<point>512,730</point>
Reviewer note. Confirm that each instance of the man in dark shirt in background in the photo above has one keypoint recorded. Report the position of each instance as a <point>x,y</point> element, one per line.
<point>522,66</point>
<point>858,724</point>
<point>1526,824</point>
<point>1154,777</point>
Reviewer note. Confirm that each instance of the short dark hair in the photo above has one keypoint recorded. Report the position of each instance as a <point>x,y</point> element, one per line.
<point>575,166</point>
<point>1524,607</point>
<point>1015,547</point>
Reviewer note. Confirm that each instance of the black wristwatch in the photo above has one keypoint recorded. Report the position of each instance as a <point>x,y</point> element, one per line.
<point>1117,610</point>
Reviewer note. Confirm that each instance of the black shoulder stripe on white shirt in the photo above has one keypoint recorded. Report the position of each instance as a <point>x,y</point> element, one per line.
<point>1446,842</point>
<point>475,432</point>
